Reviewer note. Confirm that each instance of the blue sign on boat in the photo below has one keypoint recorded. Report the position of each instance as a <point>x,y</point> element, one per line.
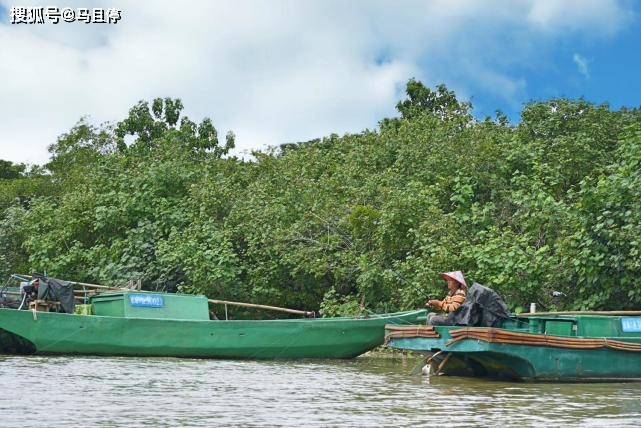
<point>631,324</point>
<point>146,300</point>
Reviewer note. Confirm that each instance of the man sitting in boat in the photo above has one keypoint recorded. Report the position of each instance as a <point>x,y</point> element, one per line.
<point>455,297</point>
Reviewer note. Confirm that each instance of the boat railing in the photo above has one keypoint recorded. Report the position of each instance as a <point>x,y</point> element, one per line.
<point>574,313</point>
<point>84,291</point>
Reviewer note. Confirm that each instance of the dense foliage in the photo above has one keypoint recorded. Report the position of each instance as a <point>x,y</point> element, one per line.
<point>550,204</point>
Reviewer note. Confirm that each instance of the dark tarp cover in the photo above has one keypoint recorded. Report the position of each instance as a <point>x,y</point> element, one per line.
<point>483,307</point>
<point>58,291</point>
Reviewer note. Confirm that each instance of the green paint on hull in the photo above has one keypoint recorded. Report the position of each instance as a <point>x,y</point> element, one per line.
<point>479,358</point>
<point>54,333</point>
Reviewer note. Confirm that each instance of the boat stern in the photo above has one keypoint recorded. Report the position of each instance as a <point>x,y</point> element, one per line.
<point>454,356</point>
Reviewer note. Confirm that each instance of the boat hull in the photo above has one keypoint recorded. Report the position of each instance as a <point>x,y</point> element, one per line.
<point>55,333</point>
<point>516,361</point>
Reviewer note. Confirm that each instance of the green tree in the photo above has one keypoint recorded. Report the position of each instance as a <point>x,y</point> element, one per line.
<point>10,171</point>
<point>372,218</point>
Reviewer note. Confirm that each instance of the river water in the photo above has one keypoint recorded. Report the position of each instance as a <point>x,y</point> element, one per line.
<point>367,391</point>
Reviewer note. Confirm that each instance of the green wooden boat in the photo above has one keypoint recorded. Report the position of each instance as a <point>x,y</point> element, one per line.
<point>546,346</point>
<point>158,324</point>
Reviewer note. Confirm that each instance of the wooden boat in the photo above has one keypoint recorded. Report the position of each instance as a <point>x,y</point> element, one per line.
<point>581,346</point>
<point>130,323</point>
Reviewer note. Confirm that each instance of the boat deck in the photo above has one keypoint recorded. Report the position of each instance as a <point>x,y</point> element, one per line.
<point>536,347</point>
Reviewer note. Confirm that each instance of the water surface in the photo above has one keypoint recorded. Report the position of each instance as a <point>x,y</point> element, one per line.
<point>167,392</point>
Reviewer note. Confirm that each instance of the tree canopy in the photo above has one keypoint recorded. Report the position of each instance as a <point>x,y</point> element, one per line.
<point>552,203</point>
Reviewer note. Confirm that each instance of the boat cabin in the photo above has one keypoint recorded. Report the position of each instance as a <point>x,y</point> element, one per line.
<point>150,305</point>
<point>585,325</point>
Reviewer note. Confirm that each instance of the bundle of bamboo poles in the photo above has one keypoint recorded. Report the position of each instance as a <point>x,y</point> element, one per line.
<point>493,335</point>
<point>410,331</point>
<point>82,291</point>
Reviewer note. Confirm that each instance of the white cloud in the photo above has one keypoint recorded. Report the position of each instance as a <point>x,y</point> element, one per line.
<point>273,72</point>
<point>582,65</point>
<point>595,17</point>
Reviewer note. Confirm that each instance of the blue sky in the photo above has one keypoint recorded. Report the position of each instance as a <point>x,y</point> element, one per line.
<point>284,71</point>
<point>612,73</point>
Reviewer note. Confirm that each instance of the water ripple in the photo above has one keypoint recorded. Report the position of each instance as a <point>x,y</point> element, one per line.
<point>119,392</point>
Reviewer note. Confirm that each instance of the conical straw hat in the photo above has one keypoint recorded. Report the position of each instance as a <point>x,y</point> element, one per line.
<point>456,276</point>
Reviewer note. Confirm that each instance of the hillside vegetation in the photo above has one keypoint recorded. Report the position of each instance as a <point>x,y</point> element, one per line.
<point>553,203</point>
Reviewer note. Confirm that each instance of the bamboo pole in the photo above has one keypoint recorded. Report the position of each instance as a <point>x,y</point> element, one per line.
<point>442,365</point>
<point>17,293</point>
<point>87,285</point>
<point>266,307</point>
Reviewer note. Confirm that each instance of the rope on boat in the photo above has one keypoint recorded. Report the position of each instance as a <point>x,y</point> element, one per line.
<point>493,335</point>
